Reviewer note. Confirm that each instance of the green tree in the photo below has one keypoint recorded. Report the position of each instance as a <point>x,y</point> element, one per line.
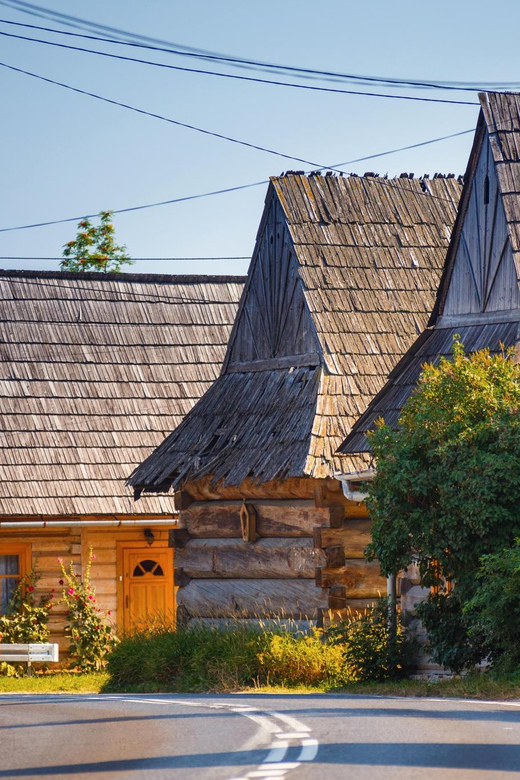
<point>94,248</point>
<point>447,489</point>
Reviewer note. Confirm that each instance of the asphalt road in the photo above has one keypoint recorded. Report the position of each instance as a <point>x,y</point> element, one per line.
<point>261,736</point>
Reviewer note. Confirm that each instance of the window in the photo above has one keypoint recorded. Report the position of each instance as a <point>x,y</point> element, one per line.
<point>14,564</point>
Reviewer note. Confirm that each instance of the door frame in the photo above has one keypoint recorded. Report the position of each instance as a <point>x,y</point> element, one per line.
<point>121,546</point>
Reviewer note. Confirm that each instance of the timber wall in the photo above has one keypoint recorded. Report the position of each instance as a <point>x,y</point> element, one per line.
<point>308,558</point>
<point>48,545</point>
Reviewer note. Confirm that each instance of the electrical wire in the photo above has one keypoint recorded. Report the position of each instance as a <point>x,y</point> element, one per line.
<point>150,297</point>
<point>135,259</point>
<point>254,184</point>
<point>234,76</point>
<point>180,50</point>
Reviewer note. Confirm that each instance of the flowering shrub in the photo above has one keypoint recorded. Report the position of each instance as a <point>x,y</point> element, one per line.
<point>91,638</point>
<point>26,618</point>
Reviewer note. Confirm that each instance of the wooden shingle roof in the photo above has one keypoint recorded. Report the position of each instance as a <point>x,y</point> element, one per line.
<point>95,370</point>
<point>485,246</point>
<point>366,253</point>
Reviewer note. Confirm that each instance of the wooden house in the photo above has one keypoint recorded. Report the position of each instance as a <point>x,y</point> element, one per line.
<point>342,280</point>
<point>478,296</point>
<point>95,369</point>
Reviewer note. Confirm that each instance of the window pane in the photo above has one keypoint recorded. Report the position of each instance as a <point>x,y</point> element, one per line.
<point>9,564</point>
<point>7,588</point>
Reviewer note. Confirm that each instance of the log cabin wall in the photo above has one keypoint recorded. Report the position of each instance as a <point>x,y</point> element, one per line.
<point>46,546</point>
<point>309,550</point>
<point>342,276</point>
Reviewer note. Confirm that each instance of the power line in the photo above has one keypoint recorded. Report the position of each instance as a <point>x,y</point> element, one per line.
<point>223,137</point>
<point>219,135</point>
<point>234,76</point>
<point>158,116</point>
<point>253,184</point>
<point>78,23</point>
<point>185,51</point>
<point>149,297</point>
<point>135,259</point>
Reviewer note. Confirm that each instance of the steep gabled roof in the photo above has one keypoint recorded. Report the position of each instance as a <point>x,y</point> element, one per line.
<point>353,263</point>
<point>478,296</point>
<point>95,369</point>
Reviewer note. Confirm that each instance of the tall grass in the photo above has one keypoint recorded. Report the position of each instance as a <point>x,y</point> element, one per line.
<point>202,658</point>
<point>199,658</point>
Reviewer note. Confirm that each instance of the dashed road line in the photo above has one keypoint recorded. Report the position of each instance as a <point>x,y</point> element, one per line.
<point>275,723</point>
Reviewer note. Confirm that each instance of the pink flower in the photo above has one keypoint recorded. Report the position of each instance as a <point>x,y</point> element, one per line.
<point>91,598</point>
<point>71,591</point>
<point>93,557</point>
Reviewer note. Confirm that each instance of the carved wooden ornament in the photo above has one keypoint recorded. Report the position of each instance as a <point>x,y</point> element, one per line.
<point>248,522</point>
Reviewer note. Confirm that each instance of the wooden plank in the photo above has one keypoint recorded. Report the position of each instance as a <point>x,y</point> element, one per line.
<point>206,489</point>
<point>362,578</point>
<point>251,598</point>
<point>353,537</point>
<point>214,519</point>
<point>290,361</point>
<point>267,558</point>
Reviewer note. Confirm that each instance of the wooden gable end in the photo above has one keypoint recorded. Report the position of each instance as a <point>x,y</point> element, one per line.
<point>274,327</point>
<point>483,277</point>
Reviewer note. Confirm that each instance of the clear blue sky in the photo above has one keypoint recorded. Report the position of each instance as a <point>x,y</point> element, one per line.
<point>65,154</point>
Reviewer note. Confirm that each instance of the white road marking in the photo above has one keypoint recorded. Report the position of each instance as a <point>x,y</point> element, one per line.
<point>278,751</point>
<point>309,750</point>
<point>282,765</point>
<point>296,725</point>
<point>273,765</point>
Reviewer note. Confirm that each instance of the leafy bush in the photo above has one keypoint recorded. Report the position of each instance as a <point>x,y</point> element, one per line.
<point>493,613</point>
<point>447,487</point>
<point>91,637</point>
<point>196,658</point>
<point>302,659</point>
<point>26,618</point>
<point>369,650</point>
<point>200,658</point>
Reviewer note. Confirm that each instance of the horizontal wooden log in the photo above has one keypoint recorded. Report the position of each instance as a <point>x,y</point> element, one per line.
<point>214,519</point>
<point>292,625</point>
<point>334,556</point>
<point>353,537</point>
<point>361,578</point>
<point>178,538</point>
<point>297,487</point>
<point>266,558</point>
<point>251,598</point>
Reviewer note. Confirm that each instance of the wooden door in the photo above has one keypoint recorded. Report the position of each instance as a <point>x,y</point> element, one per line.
<point>147,586</point>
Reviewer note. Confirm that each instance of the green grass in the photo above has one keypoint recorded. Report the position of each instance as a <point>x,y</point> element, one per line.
<point>60,682</point>
<point>473,686</point>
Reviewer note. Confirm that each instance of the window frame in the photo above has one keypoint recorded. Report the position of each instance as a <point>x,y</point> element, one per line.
<point>23,551</point>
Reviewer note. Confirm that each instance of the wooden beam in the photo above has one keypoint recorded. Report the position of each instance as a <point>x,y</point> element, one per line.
<point>273,364</point>
<point>178,537</point>
<point>251,598</point>
<point>266,559</point>
<point>362,578</point>
<point>353,537</point>
<point>221,519</point>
